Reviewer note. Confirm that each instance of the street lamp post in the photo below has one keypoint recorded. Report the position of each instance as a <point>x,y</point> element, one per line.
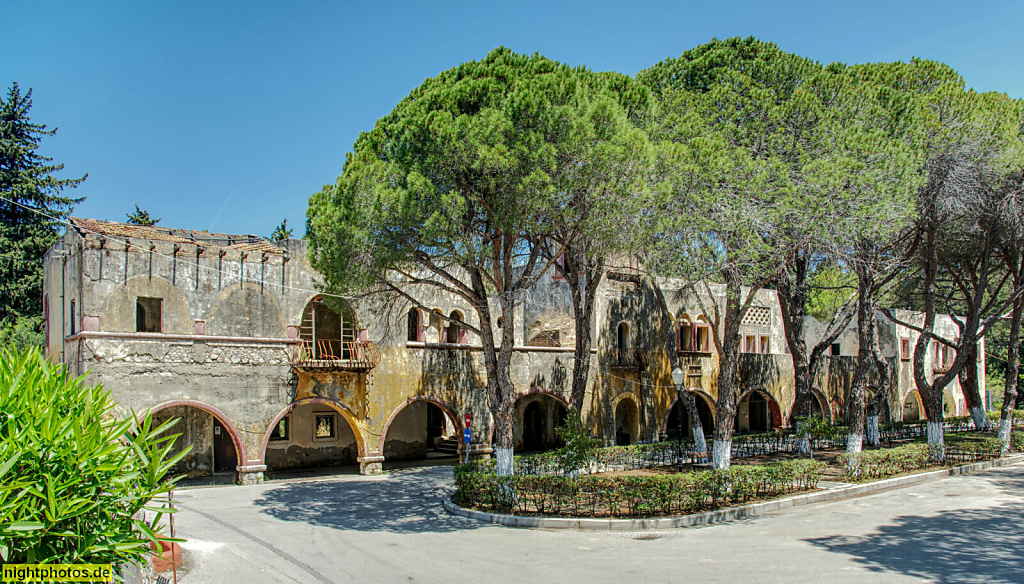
<point>677,378</point>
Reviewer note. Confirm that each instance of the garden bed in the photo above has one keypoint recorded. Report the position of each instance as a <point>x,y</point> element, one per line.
<point>647,489</point>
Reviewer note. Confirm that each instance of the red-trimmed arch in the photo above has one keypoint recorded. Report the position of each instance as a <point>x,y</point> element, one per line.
<point>557,397</point>
<point>773,405</point>
<point>448,409</point>
<point>697,392</point>
<point>334,405</point>
<point>241,457</point>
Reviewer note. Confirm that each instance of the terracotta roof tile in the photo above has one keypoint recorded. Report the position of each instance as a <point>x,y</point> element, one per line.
<point>244,243</point>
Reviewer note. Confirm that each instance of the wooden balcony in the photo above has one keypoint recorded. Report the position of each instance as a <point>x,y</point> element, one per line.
<point>336,355</point>
<point>632,359</point>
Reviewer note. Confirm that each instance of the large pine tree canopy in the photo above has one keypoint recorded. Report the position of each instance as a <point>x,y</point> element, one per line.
<point>31,207</point>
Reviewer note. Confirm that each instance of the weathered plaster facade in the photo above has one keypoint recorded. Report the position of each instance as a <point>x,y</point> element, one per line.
<point>233,346</point>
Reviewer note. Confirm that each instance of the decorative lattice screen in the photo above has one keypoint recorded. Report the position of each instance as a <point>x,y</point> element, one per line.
<point>758,316</point>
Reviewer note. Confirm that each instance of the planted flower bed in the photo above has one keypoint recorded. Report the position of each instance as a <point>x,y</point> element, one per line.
<point>631,496</point>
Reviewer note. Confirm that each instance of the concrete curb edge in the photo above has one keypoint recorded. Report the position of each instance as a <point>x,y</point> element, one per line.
<point>728,513</point>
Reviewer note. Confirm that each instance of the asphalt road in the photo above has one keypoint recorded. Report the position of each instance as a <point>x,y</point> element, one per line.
<point>393,528</point>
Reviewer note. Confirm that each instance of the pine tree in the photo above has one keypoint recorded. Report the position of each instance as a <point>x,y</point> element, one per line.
<point>141,217</point>
<point>32,209</point>
<point>281,232</point>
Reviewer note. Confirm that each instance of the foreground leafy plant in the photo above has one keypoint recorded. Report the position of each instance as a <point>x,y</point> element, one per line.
<point>73,478</point>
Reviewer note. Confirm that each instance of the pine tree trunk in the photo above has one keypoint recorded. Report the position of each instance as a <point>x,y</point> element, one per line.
<point>689,401</point>
<point>865,337</point>
<point>871,433</point>
<point>1012,367</point>
<point>972,394</point>
<point>725,407</point>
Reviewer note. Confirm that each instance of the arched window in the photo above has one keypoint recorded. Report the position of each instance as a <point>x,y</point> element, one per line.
<point>413,333</point>
<point>684,338</point>
<point>622,342</point>
<point>454,331</point>
<point>327,333</point>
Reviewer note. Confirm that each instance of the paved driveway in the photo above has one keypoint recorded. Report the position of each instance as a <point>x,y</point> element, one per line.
<point>393,529</point>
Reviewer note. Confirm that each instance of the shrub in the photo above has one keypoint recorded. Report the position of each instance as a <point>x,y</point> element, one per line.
<point>638,496</point>
<point>72,477</point>
<point>876,464</point>
<point>578,451</point>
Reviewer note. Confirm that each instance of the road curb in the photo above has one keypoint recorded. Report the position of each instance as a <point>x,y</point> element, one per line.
<point>728,513</point>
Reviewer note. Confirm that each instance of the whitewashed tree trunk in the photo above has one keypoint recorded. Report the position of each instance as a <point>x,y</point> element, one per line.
<point>1005,426</point>
<point>504,458</point>
<point>936,443</point>
<point>854,444</point>
<point>803,446</point>
<point>874,437</point>
<point>721,455</point>
<point>699,443</point>
<point>981,421</point>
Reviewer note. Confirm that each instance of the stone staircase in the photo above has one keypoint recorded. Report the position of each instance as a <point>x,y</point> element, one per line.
<point>448,447</point>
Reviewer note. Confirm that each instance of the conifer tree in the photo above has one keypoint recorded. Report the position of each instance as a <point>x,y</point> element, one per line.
<point>141,217</point>
<point>32,209</point>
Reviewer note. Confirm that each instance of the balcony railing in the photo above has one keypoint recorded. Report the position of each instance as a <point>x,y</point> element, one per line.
<point>635,359</point>
<point>333,354</point>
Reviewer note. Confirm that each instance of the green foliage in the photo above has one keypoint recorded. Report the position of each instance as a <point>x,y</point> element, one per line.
<point>72,477</point>
<point>579,446</point>
<point>817,427</point>
<point>281,232</point>
<point>23,333</point>
<point>471,169</point>
<point>829,287</point>
<point>28,190</point>
<point>636,496</point>
<point>885,462</point>
<point>141,217</point>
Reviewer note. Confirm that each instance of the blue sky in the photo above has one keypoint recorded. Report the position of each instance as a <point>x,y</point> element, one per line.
<point>230,114</point>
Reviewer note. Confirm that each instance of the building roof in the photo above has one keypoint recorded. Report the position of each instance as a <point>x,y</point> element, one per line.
<point>123,231</point>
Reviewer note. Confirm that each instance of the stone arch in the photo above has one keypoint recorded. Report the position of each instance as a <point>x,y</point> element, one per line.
<point>705,398</point>
<point>520,423</point>
<point>455,334</point>
<point>627,420</point>
<point>245,310</point>
<point>349,418</point>
<point>119,308</point>
<point>824,407</point>
<point>916,411</point>
<point>204,461</point>
<point>774,411</point>
<point>324,333</point>
<point>448,409</point>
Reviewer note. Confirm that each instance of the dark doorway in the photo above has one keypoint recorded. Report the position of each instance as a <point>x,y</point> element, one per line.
<point>224,457</point>
<point>533,426</point>
<point>758,413</point>
<point>707,423</point>
<point>435,426</point>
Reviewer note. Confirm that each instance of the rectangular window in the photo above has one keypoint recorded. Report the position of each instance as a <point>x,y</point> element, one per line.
<point>836,349</point>
<point>325,428</point>
<point>280,431</point>
<point>751,344</point>
<point>73,328</point>
<point>685,337</point>
<point>905,349</point>
<point>766,346</point>
<point>703,345</point>
<point>148,314</point>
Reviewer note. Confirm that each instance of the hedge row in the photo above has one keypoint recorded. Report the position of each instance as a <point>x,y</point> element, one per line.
<point>1018,417</point>
<point>641,496</point>
<point>887,462</point>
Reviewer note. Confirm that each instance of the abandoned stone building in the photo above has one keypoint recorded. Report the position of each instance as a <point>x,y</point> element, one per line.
<point>229,333</point>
